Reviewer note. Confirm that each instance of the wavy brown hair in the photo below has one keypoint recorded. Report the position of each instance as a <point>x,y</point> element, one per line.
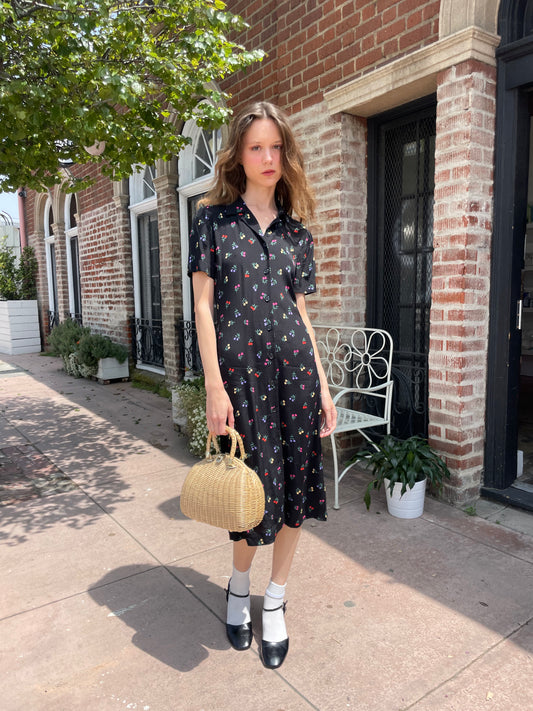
<point>293,191</point>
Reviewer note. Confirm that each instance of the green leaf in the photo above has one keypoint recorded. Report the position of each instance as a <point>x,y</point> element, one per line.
<point>126,74</point>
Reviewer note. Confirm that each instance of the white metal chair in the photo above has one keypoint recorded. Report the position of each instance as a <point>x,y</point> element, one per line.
<point>358,364</point>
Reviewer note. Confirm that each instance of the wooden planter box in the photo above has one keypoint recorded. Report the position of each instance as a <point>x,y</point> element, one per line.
<point>19,327</point>
<point>111,369</point>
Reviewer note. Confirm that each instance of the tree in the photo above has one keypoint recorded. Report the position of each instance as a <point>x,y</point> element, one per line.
<point>117,75</point>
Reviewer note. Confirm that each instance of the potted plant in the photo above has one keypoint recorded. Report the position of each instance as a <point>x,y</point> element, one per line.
<point>87,354</point>
<point>102,357</point>
<point>19,315</point>
<point>405,466</point>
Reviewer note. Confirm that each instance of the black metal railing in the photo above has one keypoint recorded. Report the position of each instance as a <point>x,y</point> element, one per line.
<point>189,353</point>
<point>53,320</point>
<point>76,317</point>
<point>147,342</point>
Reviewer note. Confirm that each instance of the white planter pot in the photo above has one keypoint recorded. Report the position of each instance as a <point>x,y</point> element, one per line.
<point>19,327</point>
<point>411,504</point>
<point>111,369</point>
<point>179,414</point>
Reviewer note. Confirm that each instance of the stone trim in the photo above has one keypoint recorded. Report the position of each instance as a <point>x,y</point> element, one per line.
<point>413,76</point>
<point>456,14</point>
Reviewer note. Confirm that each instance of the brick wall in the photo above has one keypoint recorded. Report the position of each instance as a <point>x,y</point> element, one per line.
<point>334,149</point>
<point>105,266</point>
<point>461,271</point>
<point>170,269</point>
<point>315,45</point>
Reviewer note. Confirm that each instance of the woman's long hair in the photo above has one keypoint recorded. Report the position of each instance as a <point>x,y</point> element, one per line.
<point>293,191</point>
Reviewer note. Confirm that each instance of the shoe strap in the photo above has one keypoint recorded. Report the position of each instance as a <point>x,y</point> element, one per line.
<point>228,592</point>
<point>275,609</point>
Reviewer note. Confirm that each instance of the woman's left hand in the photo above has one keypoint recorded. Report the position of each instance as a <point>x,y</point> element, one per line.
<point>329,415</point>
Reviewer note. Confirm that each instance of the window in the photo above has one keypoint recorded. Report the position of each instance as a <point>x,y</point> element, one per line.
<point>148,324</point>
<point>73,259</point>
<point>51,270</point>
<point>196,170</point>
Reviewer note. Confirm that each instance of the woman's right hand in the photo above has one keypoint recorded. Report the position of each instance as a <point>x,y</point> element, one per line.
<point>219,411</point>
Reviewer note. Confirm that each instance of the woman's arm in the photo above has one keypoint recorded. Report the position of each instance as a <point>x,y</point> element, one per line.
<point>219,409</point>
<point>329,413</point>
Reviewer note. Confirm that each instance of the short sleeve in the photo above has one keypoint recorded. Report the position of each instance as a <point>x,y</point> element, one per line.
<point>305,281</point>
<point>202,248</point>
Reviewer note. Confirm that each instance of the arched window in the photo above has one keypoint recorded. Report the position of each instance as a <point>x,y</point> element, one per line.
<point>51,270</point>
<point>197,160</point>
<point>73,259</point>
<point>196,170</point>
<point>142,185</point>
<point>515,20</point>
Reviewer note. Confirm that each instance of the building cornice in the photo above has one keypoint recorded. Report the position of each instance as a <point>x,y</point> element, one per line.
<point>412,76</point>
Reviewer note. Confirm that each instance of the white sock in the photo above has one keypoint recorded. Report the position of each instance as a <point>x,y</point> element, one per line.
<point>239,607</point>
<point>274,629</point>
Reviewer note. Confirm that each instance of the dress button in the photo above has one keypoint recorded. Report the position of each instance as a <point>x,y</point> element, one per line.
<point>267,298</point>
<point>267,270</point>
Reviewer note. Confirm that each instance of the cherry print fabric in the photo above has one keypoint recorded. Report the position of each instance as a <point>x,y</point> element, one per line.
<point>265,355</point>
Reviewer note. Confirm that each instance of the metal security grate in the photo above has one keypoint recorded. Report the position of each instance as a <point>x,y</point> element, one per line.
<point>147,342</point>
<point>190,361</point>
<point>403,267</point>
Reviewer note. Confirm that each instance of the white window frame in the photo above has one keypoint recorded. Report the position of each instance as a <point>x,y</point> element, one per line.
<point>141,207</point>
<point>136,209</point>
<point>190,187</point>
<point>49,239</point>
<point>69,233</point>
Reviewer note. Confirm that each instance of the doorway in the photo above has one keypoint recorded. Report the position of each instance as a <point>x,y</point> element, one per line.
<point>509,420</point>
<point>524,479</point>
<point>400,251</point>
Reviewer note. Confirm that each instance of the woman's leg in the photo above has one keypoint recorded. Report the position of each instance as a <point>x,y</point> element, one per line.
<point>238,620</point>
<point>275,641</point>
<point>243,555</point>
<point>284,549</point>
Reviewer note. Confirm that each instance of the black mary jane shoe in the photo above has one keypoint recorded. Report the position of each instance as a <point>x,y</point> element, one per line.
<point>239,636</point>
<point>273,653</point>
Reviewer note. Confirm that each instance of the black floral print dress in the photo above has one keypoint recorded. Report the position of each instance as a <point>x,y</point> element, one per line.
<point>265,355</point>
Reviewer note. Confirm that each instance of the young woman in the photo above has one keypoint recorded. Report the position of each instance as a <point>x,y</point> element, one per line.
<point>252,264</point>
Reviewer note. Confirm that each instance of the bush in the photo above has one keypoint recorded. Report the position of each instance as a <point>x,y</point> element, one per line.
<point>18,281</point>
<point>64,337</point>
<point>93,346</point>
<point>8,274</point>
<point>27,274</point>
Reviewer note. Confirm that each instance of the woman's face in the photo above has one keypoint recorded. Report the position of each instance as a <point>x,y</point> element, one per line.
<point>261,154</point>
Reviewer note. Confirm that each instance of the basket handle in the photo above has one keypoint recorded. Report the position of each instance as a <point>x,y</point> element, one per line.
<point>235,438</point>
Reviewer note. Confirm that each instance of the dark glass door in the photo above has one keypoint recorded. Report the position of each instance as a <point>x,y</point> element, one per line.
<point>150,328</point>
<point>76,286</point>
<point>402,149</point>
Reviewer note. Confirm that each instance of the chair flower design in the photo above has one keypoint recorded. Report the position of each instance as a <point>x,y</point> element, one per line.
<point>357,362</point>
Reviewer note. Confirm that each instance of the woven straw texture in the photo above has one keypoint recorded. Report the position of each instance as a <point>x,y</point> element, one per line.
<point>222,491</point>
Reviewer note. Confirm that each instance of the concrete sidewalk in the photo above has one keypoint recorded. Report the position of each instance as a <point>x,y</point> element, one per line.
<point>111,599</point>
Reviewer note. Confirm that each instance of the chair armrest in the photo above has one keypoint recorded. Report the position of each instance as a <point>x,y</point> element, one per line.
<point>364,391</point>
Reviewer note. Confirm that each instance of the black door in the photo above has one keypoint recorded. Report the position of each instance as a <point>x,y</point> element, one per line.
<point>401,186</point>
<point>76,286</point>
<point>515,81</point>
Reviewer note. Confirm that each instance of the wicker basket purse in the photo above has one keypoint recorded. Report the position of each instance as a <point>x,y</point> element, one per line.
<point>222,491</point>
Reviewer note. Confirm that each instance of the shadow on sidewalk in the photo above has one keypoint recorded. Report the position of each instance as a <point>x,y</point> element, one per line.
<point>88,451</point>
<point>168,618</point>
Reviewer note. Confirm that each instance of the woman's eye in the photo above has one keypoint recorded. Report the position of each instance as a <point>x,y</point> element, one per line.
<point>255,148</point>
<point>278,147</point>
